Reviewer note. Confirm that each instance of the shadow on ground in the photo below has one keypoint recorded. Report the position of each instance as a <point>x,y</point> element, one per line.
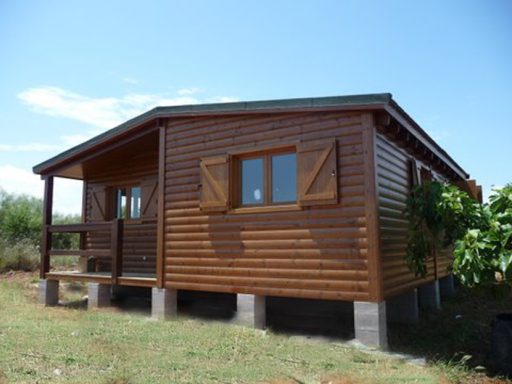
<point>459,333</point>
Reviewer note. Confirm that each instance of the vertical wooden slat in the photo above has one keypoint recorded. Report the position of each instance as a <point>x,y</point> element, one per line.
<point>160,228</point>
<point>116,247</point>
<point>83,238</point>
<point>46,244</point>
<point>371,208</point>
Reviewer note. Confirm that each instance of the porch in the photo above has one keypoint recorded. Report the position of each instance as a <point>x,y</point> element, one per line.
<point>120,227</point>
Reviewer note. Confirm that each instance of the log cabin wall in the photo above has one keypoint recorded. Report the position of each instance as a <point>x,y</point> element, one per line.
<point>139,236</point>
<point>315,252</point>
<point>394,178</point>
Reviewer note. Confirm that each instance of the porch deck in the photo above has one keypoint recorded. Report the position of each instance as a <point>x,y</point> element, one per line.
<point>128,279</point>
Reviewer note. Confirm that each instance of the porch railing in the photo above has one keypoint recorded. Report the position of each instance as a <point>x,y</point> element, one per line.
<point>115,227</point>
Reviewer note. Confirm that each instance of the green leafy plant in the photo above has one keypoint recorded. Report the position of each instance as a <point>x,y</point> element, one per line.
<point>442,216</point>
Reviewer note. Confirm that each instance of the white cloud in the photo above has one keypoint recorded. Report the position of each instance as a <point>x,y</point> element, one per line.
<point>104,112</point>
<point>224,99</point>
<point>67,196</point>
<point>100,113</point>
<point>189,91</point>
<point>31,147</point>
<point>131,80</point>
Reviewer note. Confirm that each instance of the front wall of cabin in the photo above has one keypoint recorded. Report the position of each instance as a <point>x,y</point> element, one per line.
<point>312,252</point>
<point>139,237</point>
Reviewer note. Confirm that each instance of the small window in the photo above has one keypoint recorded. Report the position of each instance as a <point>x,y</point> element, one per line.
<point>268,179</point>
<point>121,203</point>
<point>135,203</point>
<point>284,178</point>
<point>252,182</point>
<point>128,203</point>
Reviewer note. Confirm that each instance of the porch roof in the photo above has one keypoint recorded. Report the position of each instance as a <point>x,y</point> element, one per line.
<point>379,101</point>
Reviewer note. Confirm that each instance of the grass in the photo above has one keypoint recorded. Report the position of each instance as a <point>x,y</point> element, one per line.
<point>458,334</point>
<point>66,345</point>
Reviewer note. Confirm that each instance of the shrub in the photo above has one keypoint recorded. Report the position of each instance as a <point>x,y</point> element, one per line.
<point>22,256</point>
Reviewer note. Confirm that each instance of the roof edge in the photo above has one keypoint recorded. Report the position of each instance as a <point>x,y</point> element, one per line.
<point>258,106</point>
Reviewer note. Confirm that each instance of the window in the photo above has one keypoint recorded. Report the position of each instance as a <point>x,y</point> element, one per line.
<point>268,179</point>
<point>128,202</point>
<point>294,176</point>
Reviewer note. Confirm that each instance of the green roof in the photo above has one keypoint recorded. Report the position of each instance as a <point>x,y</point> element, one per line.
<point>367,101</point>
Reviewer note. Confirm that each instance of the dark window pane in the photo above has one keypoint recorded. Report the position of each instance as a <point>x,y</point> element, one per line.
<point>252,181</point>
<point>135,203</point>
<point>121,203</point>
<point>284,178</point>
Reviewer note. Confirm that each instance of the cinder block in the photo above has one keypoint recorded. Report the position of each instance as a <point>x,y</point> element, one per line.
<point>48,292</point>
<point>428,295</point>
<point>446,286</point>
<point>403,308</point>
<point>164,303</point>
<point>251,311</point>
<point>370,324</point>
<point>98,295</point>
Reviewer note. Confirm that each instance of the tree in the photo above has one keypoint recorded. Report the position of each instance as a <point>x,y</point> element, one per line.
<point>441,216</point>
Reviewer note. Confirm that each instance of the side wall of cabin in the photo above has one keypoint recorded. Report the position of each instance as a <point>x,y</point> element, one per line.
<point>318,252</point>
<point>394,180</point>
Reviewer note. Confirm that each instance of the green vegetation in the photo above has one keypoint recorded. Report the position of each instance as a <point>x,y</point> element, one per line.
<point>442,216</point>
<point>20,233</point>
<point>65,344</point>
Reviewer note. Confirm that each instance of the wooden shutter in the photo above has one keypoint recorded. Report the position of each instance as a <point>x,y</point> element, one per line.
<point>214,183</point>
<point>149,199</point>
<point>317,173</point>
<point>415,173</point>
<point>98,204</point>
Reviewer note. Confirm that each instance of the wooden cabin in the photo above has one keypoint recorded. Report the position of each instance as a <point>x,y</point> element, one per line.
<point>262,200</point>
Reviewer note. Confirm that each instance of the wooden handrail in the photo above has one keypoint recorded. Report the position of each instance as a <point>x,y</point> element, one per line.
<point>80,228</point>
<point>115,227</point>
<point>79,252</point>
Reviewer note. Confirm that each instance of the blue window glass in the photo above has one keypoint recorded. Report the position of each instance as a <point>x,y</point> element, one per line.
<point>252,181</point>
<point>135,203</point>
<point>284,178</point>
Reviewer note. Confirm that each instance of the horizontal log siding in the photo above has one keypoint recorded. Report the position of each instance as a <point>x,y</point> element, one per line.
<point>139,238</point>
<point>317,252</point>
<point>394,184</point>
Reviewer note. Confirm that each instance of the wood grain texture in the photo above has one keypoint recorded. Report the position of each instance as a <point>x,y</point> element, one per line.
<point>313,251</point>
<point>125,168</point>
<point>371,209</point>
<point>394,179</point>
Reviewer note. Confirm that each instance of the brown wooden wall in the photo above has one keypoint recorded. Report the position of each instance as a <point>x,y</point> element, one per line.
<point>315,252</point>
<point>394,184</point>
<point>120,169</point>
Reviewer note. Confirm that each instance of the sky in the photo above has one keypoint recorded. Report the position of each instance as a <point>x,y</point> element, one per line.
<point>72,69</point>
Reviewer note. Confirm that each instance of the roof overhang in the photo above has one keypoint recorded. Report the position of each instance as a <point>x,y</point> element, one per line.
<point>153,119</point>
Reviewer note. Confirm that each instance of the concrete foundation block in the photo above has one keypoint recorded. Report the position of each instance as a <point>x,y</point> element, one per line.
<point>48,292</point>
<point>404,308</point>
<point>251,311</point>
<point>370,324</point>
<point>428,295</point>
<point>164,303</point>
<point>98,295</point>
<point>447,286</point>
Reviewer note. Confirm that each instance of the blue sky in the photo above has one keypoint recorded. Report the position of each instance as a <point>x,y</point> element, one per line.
<point>72,69</point>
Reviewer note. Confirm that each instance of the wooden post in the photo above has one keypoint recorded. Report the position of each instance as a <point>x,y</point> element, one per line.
<point>372,209</point>
<point>46,243</point>
<point>116,247</point>
<point>160,228</point>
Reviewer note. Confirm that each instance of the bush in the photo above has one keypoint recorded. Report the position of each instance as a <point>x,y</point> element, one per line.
<point>21,224</point>
<point>22,256</point>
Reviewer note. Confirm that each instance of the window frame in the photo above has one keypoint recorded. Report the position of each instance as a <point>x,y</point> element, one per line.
<point>115,210</point>
<point>266,156</point>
